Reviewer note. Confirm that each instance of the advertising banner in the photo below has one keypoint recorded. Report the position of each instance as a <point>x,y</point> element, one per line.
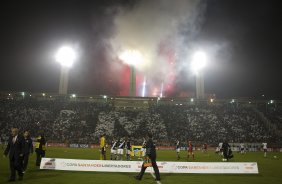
<point>135,166</point>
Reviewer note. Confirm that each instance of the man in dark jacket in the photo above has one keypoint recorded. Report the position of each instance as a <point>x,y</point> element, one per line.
<point>151,154</point>
<point>227,153</point>
<point>28,148</point>
<point>15,150</point>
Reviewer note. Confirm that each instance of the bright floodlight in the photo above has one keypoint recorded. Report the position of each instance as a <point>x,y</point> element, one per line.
<point>66,56</point>
<point>131,57</point>
<point>199,61</point>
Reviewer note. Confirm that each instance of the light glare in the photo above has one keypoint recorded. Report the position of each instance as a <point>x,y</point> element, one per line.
<point>131,57</point>
<point>199,61</point>
<point>66,56</point>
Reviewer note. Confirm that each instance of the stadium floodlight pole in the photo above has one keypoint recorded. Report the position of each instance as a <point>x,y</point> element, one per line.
<point>66,57</point>
<point>199,61</point>
<point>132,81</point>
<point>132,58</point>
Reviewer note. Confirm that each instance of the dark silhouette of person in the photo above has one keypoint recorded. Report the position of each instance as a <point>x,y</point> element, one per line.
<point>15,150</point>
<point>151,154</point>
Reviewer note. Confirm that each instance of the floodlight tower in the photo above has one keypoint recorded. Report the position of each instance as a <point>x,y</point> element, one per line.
<point>132,81</point>
<point>66,57</point>
<point>133,58</point>
<point>199,61</point>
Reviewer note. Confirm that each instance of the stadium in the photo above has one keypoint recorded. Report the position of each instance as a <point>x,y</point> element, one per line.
<point>99,92</point>
<point>73,125</point>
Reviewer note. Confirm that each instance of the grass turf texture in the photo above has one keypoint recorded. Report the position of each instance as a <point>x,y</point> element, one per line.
<point>270,169</point>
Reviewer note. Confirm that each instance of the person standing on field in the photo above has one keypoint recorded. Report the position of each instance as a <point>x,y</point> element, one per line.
<point>40,148</point>
<point>264,146</point>
<point>15,149</point>
<point>177,148</point>
<point>190,150</point>
<point>28,148</point>
<point>152,156</point>
<point>102,147</point>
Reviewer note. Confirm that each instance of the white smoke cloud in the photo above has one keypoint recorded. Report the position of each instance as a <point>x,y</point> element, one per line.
<point>151,23</point>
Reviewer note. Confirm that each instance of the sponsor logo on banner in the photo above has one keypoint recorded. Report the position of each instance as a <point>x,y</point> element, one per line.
<point>49,164</point>
<point>51,144</point>
<point>84,146</point>
<point>79,146</point>
<point>135,166</point>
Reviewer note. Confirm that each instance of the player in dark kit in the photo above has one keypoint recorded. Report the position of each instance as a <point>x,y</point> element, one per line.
<point>177,148</point>
<point>28,148</point>
<point>127,149</point>
<point>151,154</point>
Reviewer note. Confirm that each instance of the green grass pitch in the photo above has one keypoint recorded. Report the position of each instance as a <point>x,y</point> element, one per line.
<point>270,170</point>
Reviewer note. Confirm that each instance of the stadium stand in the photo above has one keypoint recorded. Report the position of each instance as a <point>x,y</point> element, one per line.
<point>83,121</point>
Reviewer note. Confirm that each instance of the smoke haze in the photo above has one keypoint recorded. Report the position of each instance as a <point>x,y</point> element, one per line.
<point>162,31</point>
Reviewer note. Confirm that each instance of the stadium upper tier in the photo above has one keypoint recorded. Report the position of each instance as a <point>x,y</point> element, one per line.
<point>82,120</point>
<point>134,102</point>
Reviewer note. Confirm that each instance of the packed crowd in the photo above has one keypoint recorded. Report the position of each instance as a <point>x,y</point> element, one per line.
<point>274,113</point>
<point>83,122</point>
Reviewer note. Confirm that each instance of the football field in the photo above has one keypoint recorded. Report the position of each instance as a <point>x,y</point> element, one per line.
<point>270,169</point>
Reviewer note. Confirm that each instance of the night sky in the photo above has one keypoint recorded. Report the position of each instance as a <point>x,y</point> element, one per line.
<point>31,31</point>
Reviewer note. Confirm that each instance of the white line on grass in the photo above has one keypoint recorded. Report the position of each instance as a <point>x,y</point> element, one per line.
<point>158,182</point>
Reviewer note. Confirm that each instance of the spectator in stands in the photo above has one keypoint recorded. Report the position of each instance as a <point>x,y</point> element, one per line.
<point>81,122</point>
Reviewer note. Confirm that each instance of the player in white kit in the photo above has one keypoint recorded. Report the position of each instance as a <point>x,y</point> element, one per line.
<point>242,148</point>
<point>264,146</point>
<point>114,150</point>
<point>177,148</point>
<point>120,149</point>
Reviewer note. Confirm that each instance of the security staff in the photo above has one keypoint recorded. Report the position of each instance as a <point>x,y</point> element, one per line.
<point>151,154</point>
<point>15,149</point>
<point>28,148</point>
<point>40,148</point>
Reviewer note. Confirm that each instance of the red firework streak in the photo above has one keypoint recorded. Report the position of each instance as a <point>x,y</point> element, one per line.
<point>166,51</point>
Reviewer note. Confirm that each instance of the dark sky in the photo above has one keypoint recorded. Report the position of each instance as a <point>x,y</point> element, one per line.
<point>31,31</point>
